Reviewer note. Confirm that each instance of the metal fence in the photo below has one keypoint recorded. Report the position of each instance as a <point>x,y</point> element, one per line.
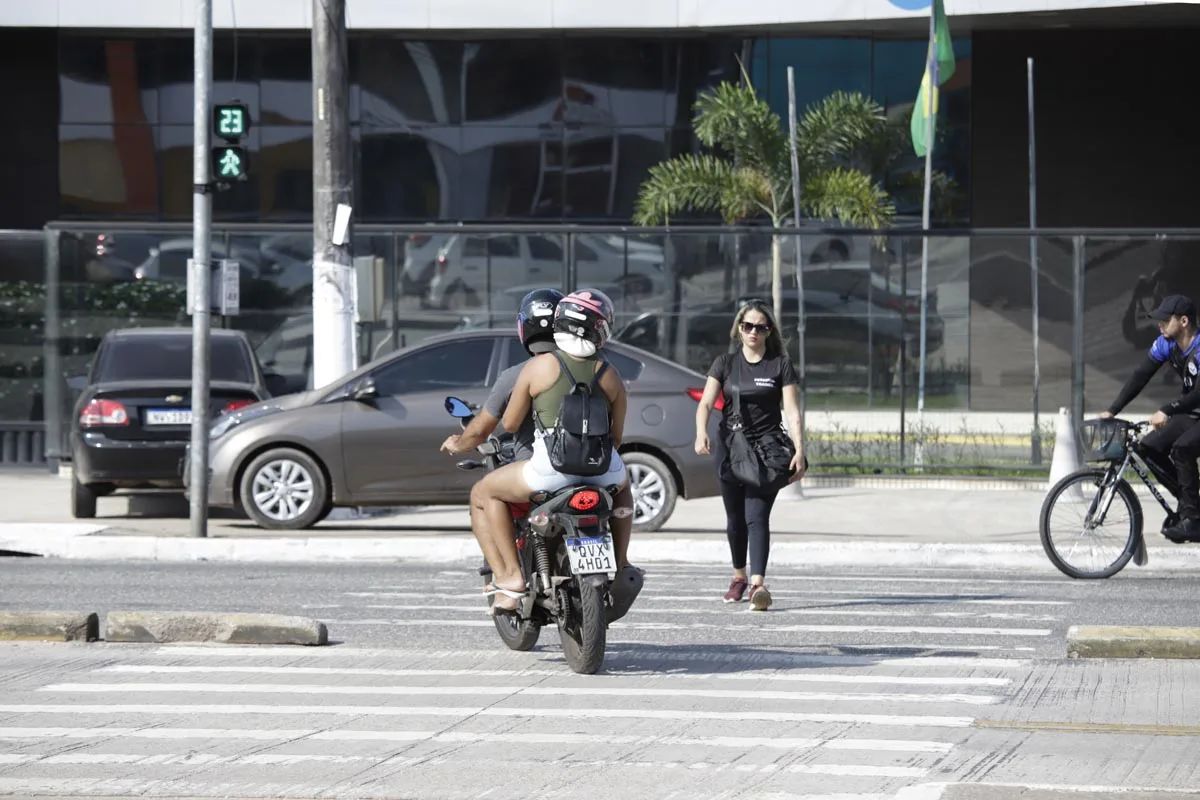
<point>675,292</point>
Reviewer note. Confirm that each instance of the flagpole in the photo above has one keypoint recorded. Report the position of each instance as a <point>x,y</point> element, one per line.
<point>932,67</point>
<point>1036,438</point>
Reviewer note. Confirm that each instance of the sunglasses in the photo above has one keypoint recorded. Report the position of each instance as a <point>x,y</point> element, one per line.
<point>750,327</point>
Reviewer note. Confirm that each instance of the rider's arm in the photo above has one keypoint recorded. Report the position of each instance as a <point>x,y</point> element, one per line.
<point>481,427</point>
<point>1137,381</point>
<point>614,388</point>
<point>1186,403</point>
<point>520,401</point>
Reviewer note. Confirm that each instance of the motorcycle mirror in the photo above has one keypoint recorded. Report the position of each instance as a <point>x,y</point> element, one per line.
<point>457,408</point>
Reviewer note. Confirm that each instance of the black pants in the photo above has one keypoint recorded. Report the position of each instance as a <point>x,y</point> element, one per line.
<point>1174,449</point>
<point>747,517</point>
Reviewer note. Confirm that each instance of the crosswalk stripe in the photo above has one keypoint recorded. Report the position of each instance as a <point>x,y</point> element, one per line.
<point>647,626</point>
<point>819,611</point>
<point>844,596</point>
<point>683,652</point>
<point>342,735</point>
<point>509,692</point>
<point>188,709</point>
<point>806,677</point>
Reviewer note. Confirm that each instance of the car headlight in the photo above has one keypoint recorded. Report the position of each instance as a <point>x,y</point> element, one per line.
<point>230,421</point>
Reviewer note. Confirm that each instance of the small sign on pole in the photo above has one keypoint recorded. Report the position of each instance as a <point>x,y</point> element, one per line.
<point>231,276</point>
<point>227,295</point>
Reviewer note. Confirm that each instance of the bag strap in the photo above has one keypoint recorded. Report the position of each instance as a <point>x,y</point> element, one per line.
<point>736,375</point>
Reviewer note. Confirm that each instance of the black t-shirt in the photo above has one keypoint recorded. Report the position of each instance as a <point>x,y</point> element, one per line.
<point>761,388</point>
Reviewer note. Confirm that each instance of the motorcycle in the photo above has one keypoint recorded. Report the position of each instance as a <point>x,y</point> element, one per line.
<point>567,559</point>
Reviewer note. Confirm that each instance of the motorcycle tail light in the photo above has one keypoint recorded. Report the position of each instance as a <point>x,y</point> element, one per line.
<point>585,500</point>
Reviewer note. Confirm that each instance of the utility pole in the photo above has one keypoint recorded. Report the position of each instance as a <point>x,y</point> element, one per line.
<point>333,170</point>
<point>200,273</point>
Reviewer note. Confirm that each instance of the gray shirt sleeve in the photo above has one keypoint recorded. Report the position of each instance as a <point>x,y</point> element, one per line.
<point>497,401</point>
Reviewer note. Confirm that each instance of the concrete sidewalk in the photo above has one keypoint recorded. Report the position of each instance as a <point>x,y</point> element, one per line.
<point>847,525</point>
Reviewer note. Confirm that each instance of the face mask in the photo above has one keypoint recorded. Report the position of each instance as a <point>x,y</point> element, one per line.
<point>572,345</point>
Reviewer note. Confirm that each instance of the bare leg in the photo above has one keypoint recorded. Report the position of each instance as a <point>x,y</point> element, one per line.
<point>494,493</point>
<point>495,558</point>
<point>622,524</point>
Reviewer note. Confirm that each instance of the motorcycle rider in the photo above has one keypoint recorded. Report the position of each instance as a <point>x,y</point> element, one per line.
<point>582,325</point>
<point>535,330</point>
<point>1174,445</point>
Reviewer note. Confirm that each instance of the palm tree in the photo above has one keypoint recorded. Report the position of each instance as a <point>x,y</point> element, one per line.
<point>748,171</point>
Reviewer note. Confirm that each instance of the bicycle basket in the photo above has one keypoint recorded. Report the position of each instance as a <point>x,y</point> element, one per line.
<point>1103,439</point>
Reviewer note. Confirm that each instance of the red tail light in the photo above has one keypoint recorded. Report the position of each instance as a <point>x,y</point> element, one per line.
<point>698,394</point>
<point>103,412</point>
<point>585,500</point>
<point>234,405</point>
<point>441,264</point>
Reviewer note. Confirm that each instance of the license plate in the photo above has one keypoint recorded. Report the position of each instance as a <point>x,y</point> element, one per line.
<point>169,416</point>
<point>591,554</point>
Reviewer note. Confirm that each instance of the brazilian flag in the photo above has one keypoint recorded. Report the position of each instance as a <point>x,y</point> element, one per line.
<point>939,67</point>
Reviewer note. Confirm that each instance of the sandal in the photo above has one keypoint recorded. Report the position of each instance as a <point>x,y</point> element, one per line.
<point>502,599</point>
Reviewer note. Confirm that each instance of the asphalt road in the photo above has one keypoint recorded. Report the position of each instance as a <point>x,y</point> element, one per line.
<point>861,685</point>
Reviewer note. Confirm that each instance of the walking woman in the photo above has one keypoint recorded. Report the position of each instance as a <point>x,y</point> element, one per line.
<point>767,386</point>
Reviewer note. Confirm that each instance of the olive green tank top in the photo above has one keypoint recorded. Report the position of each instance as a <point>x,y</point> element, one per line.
<point>546,404</point>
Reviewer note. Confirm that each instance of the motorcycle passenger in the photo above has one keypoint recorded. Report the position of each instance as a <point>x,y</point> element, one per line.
<point>582,325</point>
<point>535,319</point>
<point>1174,445</point>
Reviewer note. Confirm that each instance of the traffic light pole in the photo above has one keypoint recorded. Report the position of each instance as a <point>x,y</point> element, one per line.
<point>200,272</point>
<point>334,295</point>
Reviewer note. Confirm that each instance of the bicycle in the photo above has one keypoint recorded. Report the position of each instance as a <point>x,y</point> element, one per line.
<point>1116,443</point>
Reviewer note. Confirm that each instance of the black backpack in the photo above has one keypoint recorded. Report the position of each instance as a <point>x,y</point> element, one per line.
<point>581,442</point>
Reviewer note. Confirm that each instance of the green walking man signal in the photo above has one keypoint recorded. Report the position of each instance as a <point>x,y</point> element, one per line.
<point>231,121</point>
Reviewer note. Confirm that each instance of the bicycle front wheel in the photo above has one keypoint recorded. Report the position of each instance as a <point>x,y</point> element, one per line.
<point>1090,525</point>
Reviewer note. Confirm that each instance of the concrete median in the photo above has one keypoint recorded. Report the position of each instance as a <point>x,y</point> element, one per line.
<point>49,626</point>
<point>1115,641</point>
<point>165,627</point>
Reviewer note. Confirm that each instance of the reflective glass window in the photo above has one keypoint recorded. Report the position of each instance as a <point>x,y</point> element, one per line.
<point>103,80</point>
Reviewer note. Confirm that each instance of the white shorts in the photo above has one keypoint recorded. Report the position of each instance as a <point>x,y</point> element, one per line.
<point>542,477</point>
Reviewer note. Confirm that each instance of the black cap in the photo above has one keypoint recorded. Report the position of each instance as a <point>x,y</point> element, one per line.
<point>1174,305</point>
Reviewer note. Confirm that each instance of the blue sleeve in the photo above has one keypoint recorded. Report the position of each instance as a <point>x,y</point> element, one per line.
<point>1160,351</point>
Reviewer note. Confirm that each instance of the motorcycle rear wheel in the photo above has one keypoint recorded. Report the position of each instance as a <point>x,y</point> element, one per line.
<point>584,641</point>
<point>516,633</point>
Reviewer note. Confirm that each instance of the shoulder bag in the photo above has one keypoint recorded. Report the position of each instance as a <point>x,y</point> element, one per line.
<point>762,461</point>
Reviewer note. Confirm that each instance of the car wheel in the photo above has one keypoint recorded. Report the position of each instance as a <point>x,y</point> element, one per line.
<point>83,500</point>
<point>284,489</point>
<point>654,492</point>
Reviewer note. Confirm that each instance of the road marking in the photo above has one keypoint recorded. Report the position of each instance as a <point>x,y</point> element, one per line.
<point>689,577</point>
<point>511,692</point>
<point>807,677</point>
<point>675,626</point>
<point>650,593</point>
<point>180,759</point>
<point>615,650</point>
<point>1093,727</point>
<point>189,709</point>
<point>817,611</point>
<point>342,735</point>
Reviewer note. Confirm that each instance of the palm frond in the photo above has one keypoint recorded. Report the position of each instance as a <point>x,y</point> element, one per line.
<point>735,119</point>
<point>700,183</point>
<point>837,128</point>
<point>848,195</point>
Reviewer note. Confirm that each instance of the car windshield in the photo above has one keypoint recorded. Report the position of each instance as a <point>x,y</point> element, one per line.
<point>169,358</point>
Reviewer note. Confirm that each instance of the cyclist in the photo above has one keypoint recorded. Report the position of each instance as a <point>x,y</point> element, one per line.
<point>1173,447</point>
<point>535,329</point>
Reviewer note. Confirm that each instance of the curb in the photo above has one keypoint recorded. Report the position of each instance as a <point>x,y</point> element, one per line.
<point>1111,641</point>
<point>658,548</point>
<point>49,626</point>
<point>167,627</point>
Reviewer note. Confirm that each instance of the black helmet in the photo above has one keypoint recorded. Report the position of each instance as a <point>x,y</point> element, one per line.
<point>536,317</point>
<point>586,313</point>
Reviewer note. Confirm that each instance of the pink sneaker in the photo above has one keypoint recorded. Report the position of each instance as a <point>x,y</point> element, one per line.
<point>737,591</point>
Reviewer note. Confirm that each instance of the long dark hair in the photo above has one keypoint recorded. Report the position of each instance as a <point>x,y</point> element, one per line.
<point>775,347</point>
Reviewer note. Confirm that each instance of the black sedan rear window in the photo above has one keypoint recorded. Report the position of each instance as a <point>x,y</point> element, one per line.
<point>169,358</point>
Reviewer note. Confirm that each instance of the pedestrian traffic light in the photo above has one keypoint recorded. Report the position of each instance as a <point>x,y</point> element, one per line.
<point>231,121</point>
<point>228,163</point>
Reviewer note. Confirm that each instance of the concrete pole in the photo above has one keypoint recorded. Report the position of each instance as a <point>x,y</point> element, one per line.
<point>200,273</point>
<point>334,342</point>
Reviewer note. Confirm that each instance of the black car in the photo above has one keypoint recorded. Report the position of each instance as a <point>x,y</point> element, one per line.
<point>132,421</point>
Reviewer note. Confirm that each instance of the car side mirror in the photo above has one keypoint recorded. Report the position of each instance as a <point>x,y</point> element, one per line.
<point>364,391</point>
